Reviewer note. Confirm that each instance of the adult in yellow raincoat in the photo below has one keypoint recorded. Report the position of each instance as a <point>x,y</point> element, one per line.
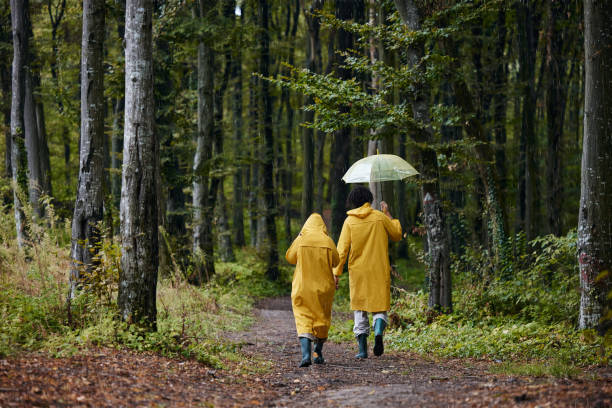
<point>366,234</point>
<point>313,287</point>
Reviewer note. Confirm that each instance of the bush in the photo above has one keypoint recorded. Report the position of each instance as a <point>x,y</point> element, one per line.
<point>544,285</point>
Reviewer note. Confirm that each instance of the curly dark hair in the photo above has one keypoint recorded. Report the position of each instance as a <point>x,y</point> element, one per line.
<point>358,197</point>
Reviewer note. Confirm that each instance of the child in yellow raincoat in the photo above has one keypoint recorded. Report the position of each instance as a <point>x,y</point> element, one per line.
<point>366,234</point>
<point>313,287</point>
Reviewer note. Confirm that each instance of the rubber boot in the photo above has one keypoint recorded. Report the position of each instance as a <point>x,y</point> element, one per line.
<point>362,341</point>
<point>306,346</point>
<point>318,352</point>
<point>379,330</point>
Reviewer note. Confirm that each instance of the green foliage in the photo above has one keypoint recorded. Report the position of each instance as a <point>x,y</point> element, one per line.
<point>35,316</point>
<point>528,317</point>
<point>543,287</point>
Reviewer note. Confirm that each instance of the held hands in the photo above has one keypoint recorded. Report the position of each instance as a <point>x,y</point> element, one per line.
<point>384,207</point>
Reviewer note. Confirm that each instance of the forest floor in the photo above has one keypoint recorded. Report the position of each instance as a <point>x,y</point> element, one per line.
<point>109,377</point>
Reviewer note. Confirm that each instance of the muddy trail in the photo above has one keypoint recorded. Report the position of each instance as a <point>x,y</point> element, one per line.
<point>113,378</point>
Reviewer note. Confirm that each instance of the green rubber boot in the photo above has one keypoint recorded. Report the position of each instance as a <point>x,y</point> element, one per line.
<point>318,352</point>
<point>362,341</point>
<point>306,346</point>
<point>379,330</point>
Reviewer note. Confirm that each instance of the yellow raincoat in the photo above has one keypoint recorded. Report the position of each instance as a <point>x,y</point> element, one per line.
<point>366,232</point>
<point>313,287</point>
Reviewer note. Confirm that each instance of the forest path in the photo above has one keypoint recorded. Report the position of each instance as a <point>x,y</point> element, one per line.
<point>105,377</point>
<point>395,379</point>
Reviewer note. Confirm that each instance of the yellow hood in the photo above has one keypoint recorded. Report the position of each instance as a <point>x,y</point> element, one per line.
<point>314,223</point>
<point>362,211</point>
<point>314,233</point>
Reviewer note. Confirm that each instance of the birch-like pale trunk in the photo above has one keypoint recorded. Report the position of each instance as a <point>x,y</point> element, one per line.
<point>138,212</point>
<point>19,160</point>
<point>32,145</point>
<point>595,216</point>
<point>88,207</point>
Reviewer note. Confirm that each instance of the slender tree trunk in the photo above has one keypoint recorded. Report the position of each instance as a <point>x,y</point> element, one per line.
<point>254,170</point>
<point>311,145</point>
<point>224,235</point>
<point>202,202</point>
<point>138,213</point>
<point>5,81</point>
<point>320,171</point>
<point>239,158</point>
<point>45,162</point>
<point>595,217</point>
<point>341,144</point>
<point>19,160</point>
<point>268,148</point>
<point>437,234</point>
<point>556,97</point>
<point>500,102</point>
<point>527,30</point>
<point>32,146</point>
<point>5,102</point>
<point>89,204</point>
<point>118,109</point>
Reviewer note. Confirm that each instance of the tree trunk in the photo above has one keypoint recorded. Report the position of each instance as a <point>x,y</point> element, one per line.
<point>437,235</point>
<point>88,207</point>
<point>138,212</point>
<point>6,113</point>
<point>500,103</point>
<point>556,97</point>
<point>19,160</point>
<point>56,15</point>
<point>224,234</point>
<point>254,170</point>
<point>239,158</point>
<point>32,146</point>
<point>595,216</point>
<point>270,209</point>
<point>45,162</point>
<point>313,63</point>
<point>202,205</point>
<point>341,144</point>
<point>527,30</point>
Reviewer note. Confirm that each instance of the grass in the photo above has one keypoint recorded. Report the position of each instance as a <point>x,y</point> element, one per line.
<point>191,320</point>
<point>557,369</point>
<point>526,348</point>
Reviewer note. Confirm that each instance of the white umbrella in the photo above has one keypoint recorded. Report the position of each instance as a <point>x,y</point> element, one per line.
<point>379,167</point>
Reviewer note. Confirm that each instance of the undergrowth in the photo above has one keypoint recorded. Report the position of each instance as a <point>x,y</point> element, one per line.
<point>34,314</point>
<point>526,323</point>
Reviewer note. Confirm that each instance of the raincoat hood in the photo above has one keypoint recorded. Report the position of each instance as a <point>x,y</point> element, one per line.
<point>362,211</point>
<point>314,233</point>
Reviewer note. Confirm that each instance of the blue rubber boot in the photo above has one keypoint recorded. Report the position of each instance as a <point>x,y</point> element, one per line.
<point>306,346</point>
<point>318,352</point>
<point>362,341</point>
<point>379,330</point>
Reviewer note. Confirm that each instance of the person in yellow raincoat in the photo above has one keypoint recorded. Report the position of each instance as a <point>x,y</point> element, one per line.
<point>366,234</point>
<point>313,287</point>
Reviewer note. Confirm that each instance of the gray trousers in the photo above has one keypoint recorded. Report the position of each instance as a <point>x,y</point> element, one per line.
<point>362,324</point>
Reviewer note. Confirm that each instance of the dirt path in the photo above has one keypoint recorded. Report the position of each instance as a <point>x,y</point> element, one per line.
<point>112,378</point>
<point>397,379</point>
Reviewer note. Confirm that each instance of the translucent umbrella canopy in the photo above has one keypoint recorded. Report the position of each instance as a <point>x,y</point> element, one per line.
<point>379,167</point>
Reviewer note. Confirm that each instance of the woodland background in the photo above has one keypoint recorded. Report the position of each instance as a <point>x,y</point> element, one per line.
<point>259,107</point>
